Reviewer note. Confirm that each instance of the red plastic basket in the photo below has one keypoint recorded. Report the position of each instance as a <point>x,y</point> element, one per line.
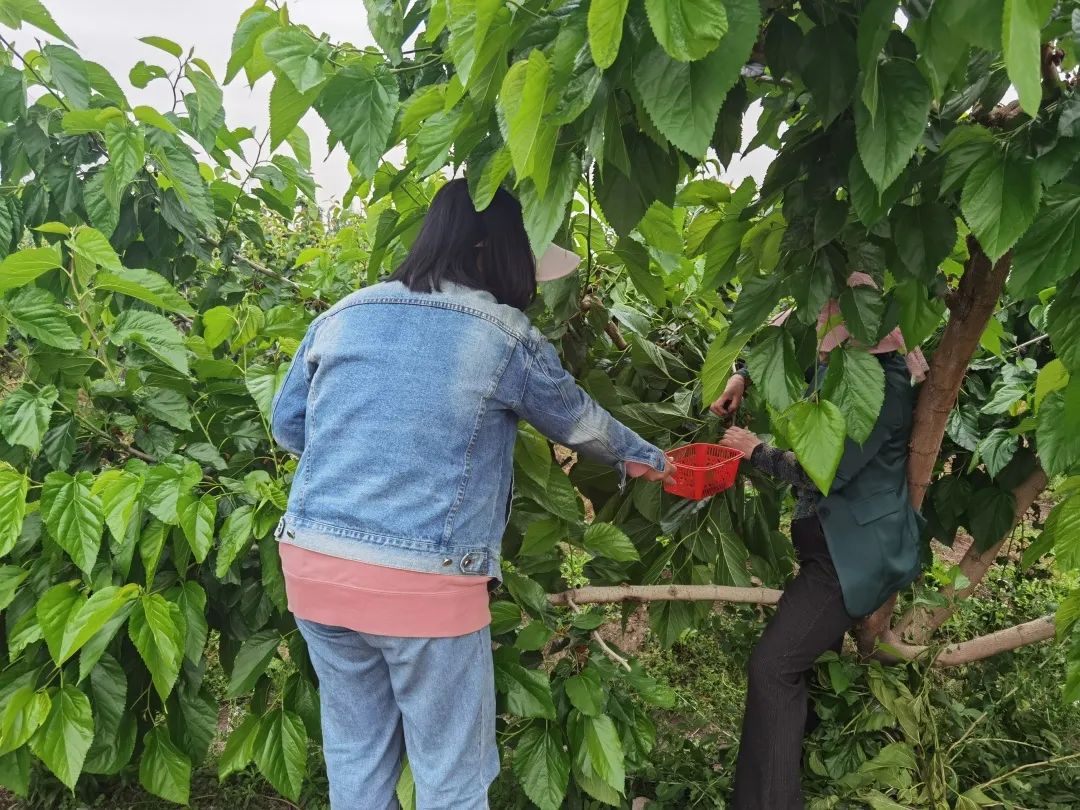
<point>702,470</point>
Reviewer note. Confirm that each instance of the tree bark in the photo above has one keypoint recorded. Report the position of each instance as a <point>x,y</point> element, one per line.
<point>922,622</point>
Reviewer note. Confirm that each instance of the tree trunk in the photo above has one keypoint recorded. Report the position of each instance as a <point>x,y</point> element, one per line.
<point>970,309</point>
<point>922,622</point>
<point>603,595</point>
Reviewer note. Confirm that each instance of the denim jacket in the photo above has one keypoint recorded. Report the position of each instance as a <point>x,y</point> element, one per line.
<point>403,408</point>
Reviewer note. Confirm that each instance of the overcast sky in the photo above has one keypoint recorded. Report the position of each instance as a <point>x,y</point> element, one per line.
<point>107,31</point>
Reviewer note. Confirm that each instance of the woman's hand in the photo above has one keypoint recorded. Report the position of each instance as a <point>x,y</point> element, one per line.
<point>635,469</point>
<point>732,397</point>
<point>740,439</point>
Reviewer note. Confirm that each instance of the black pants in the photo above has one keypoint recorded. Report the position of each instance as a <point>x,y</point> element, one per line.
<point>810,620</point>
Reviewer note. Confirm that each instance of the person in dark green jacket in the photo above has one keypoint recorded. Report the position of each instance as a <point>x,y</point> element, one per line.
<point>856,545</point>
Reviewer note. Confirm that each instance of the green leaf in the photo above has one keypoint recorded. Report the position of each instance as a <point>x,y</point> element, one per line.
<point>605,31</point>
<point>816,431</point>
<point>236,533</point>
<point>1052,377</point>
<point>145,285</point>
<point>155,628</point>
<point>73,515</point>
<point>23,267</point>
<point>545,213</point>
<point>387,25</point>
<point>34,13</point>
<point>887,140</point>
<point>119,491</point>
<point>682,99</point>
<point>25,415</point>
<point>92,245</point>
<point>197,517</point>
<point>586,692</point>
<point>253,25</point>
<point>1021,38</point>
<point>239,748</point>
<point>990,515</point>
<point>170,406</point>
<point>1058,431</point>
<point>26,710</point>
<point>94,614</point>
<point>192,603</point>
<point>148,115</point>
<point>997,450</point>
<point>252,660</point>
<point>601,751</point>
<point>153,332</point>
<point>1000,199</point>
<point>69,74</point>
<point>13,489</point>
<point>54,609</point>
<point>165,484</point>
<point>219,324</point>
<point>541,537</point>
<point>522,103</point>
<point>862,308</point>
<point>534,637</point>
<point>11,577</point>
<point>925,235</point>
<point>855,381</point>
<point>719,365</point>
<point>606,540</point>
<point>262,383</point>
<point>63,740</point>
<point>528,691</point>
<point>358,106</point>
<point>774,369</point>
<point>505,617</point>
<point>830,67</point>
<point>919,315</point>
<point>1050,249</point>
<point>295,54</point>
<point>163,44</point>
<point>687,29</point>
<point>36,313</point>
<point>473,24</point>
<point>1063,525</point>
<point>542,765</point>
<point>280,750</point>
<point>164,770</point>
<point>1063,325</point>
<point>287,106</point>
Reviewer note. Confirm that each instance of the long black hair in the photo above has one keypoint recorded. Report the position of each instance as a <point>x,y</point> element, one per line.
<point>486,250</point>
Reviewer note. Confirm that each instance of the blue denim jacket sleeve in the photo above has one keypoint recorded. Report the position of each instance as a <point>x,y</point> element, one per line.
<point>553,403</point>
<point>289,410</point>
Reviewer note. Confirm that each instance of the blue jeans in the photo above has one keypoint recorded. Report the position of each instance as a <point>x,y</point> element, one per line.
<point>382,696</point>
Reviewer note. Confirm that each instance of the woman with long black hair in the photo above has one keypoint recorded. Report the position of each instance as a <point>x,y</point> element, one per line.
<point>403,403</point>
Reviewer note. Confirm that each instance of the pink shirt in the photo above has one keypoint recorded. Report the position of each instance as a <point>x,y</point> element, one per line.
<point>379,600</point>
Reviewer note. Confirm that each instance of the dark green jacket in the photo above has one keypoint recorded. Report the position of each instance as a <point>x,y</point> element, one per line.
<point>872,530</point>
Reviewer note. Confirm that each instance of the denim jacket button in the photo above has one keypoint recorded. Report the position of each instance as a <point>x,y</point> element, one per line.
<point>447,562</point>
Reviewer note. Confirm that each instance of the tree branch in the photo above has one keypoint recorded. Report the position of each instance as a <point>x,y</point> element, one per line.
<point>922,621</point>
<point>892,649</point>
<point>606,595</point>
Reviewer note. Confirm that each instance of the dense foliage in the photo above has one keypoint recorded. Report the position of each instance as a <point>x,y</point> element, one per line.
<point>160,267</point>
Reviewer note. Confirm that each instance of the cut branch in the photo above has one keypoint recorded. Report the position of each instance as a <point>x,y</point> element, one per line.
<point>892,648</point>
<point>605,595</point>
<point>976,649</point>
<point>922,622</point>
